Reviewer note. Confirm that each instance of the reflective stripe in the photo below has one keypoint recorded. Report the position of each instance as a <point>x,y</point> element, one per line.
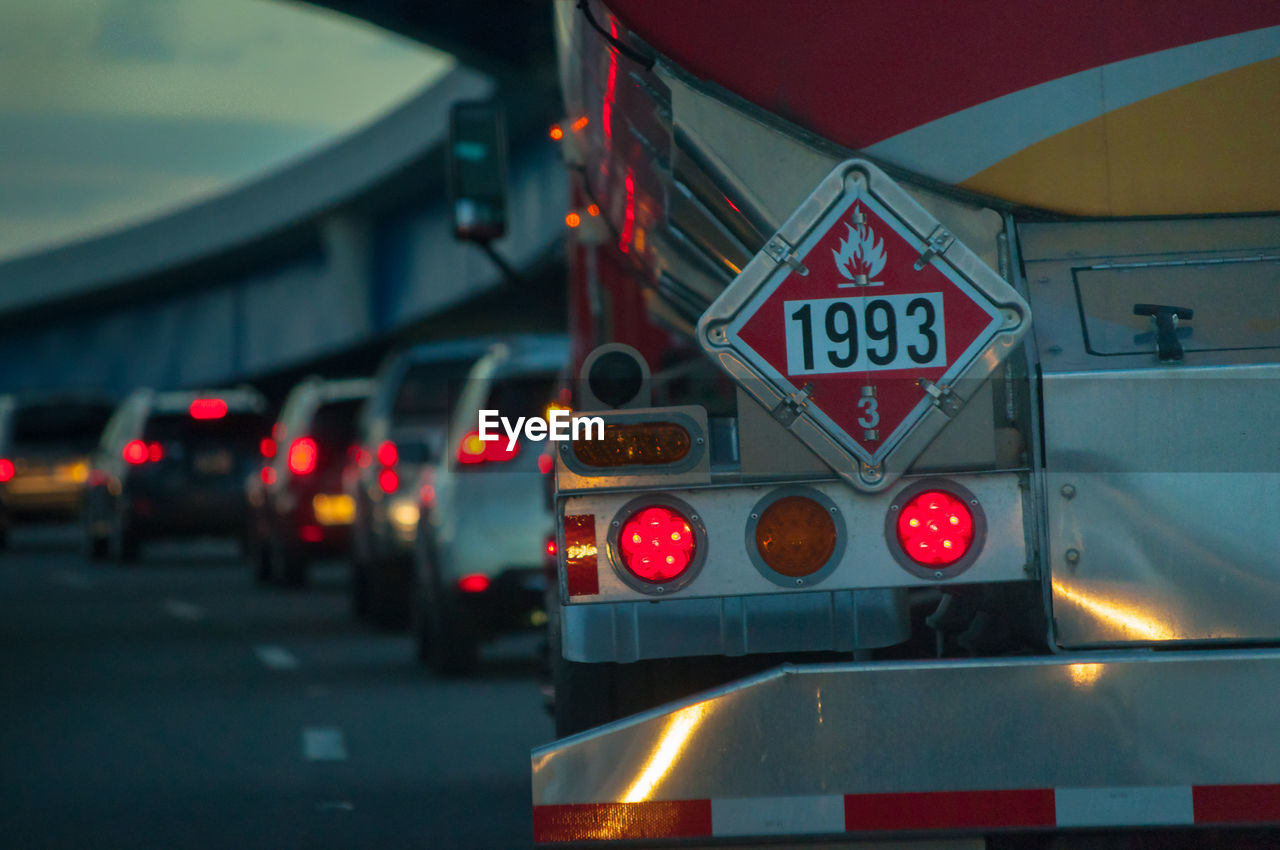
<point>1174,805</point>
<point>1124,806</point>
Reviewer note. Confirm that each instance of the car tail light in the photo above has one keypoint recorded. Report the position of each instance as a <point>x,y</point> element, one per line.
<point>268,475</point>
<point>475,583</point>
<point>208,408</point>
<point>638,444</point>
<point>388,480</point>
<point>138,452</point>
<point>388,454</point>
<point>795,536</point>
<point>311,533</point>
<point>935,528</point>
<point>6,469</point>
<point>473,450</point>
<point>267,447</point>
<point>657,544</point>
<point>302,456</point>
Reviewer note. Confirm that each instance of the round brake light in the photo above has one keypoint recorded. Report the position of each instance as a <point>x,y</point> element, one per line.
<point>795,536</point>
<point>935,528</point>
<point>135,452</point>
<point>302,456</point>
<point>657,544</point>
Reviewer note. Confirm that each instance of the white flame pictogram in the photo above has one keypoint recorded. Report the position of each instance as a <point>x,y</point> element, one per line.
<point>861,256</point>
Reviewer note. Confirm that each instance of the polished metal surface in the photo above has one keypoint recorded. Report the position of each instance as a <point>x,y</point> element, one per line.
<point>1079,276</point>
<point>1163,488</point>
<point>1074,721</point>
<point>867,561</point>
<point>798,235</point>
<point>1162,479</point>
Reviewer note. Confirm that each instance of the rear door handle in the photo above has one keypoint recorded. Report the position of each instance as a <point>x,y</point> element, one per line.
<point>1168,348</point>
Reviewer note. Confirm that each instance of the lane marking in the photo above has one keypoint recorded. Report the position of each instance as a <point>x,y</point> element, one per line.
<point>73,580</point>
<point>276,657</point>
<point>182,610</point>
<point>323,743</point>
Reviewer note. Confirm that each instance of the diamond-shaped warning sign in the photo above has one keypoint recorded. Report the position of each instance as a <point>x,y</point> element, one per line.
<point>858,319</point>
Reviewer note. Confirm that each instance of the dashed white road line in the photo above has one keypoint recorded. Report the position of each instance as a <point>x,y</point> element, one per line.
<point>66,578</point>
<point>276,657</point>
<point>182,610</point>
<point>323,743</point>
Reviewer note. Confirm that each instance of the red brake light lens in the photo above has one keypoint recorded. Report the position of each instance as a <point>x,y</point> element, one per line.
<point>6,469</point>
<point>657,544</point>
<point>388,454</point>
<point>388,480</point>
<point>472,449</point>
<point>267,446</point>
<point>474,583</point>
<point>935,528</point>
<point>208,408</point>
<point>302,456</point>
<point>155,452</point>
<point>135,451</point>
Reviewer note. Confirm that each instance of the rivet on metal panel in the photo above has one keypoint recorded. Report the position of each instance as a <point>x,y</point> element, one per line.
<point>1073,556</point>
<point>799,582</point>
<point>755,516</point>
<point>699,441</point>
<point>939,241</point>
<point>1012,318</point>
<point>616,523</point>
<point>1068,492</point>
<point>937,575</point>
<point>870,474</point>
<point>694,517</point>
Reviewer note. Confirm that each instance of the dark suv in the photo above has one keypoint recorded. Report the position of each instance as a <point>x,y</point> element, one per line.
<point>298,511</point>
<point>402,428</point>
<point>44,455</point>
<point>172,464</point>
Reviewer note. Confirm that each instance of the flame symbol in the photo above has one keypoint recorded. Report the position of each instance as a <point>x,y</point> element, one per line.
<point>861,254</point>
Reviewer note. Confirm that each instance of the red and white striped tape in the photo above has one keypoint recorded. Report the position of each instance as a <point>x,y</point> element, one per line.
<point>1035,808</point>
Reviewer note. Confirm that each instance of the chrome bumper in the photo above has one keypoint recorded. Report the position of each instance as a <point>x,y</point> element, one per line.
<point>1114,740</point>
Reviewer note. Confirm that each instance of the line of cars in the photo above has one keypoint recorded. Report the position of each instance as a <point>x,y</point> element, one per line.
<point>445,533</point>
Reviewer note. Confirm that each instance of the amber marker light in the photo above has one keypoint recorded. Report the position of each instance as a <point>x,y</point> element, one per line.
<point>795,536</point>
<point>639,444</point>
<point>556,133</point>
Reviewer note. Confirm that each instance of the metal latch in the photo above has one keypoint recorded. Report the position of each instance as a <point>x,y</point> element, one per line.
<point>943,398</point>
<point>788,410</point>
<point>939,241</point>
<point>1168,348</point>
<point>782,251</point>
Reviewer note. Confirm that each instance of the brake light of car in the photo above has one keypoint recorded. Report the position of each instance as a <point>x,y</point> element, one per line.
<point>474,583</point>
<point>638,444</point>
<point>267,446</point>
<point>473,450</point>
<point>388,480</point>
<point>208,408</point>
<point>137,452</point>
<point>657,543</point>
<point>268,475</point>
<point>935,528</point>
<point>388,454</point>
<point>6,469</point>
<point>311,533</point>
<point>302,456</point>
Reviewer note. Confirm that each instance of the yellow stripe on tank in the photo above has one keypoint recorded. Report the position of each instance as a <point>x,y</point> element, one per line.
<point>1212,146</point>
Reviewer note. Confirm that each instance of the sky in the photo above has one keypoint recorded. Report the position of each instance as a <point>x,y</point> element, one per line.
<point>116,111</point>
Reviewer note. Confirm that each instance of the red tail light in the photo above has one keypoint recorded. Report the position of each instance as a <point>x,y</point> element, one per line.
<point>268,475</point>
<point>472,449</point>
<point>388,454</point>
<point>136,452</point>
<point>302,456</point>
<point>267,446</point>
<point>657,544</point>
<point>208,408</point>
<point>6,469</point>
<point>388,480</point>
<point>935,528</point>
<point>474,583</point>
